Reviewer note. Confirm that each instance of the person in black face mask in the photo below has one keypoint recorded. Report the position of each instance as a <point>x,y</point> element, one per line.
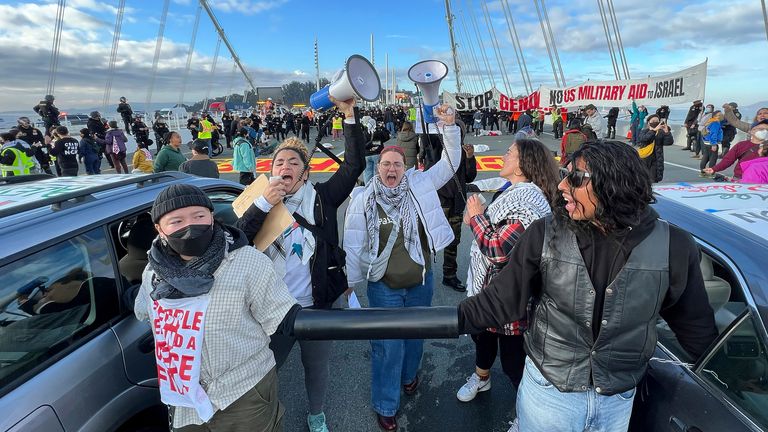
<point>203,283</point>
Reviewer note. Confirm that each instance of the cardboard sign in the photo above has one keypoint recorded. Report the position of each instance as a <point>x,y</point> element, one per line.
<point>277,220</point>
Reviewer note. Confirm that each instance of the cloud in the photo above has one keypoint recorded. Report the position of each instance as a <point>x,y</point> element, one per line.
<point>247,7</point>
<point>84,59</point>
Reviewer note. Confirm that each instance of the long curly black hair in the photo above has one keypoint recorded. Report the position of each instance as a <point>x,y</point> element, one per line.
<point>621,184</point>
<point>538,166</point>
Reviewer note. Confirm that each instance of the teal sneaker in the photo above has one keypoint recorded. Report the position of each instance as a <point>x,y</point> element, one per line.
<point>316,423</point>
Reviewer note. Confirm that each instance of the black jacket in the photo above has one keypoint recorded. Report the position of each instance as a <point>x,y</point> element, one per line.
<point>685,308</point>
<point>97,128</point>
<point>329,256</point>
<point>47,111</point>
<point>655,162</point>
<point>450,196</point>
<point>125,110</point>
<point>693,115</point>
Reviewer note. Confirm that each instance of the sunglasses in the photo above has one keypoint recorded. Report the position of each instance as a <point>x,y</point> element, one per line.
<point>576,178</point>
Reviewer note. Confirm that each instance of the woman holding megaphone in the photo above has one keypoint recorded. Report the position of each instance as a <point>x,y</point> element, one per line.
<point>393,228</point>
<point>307,255</point>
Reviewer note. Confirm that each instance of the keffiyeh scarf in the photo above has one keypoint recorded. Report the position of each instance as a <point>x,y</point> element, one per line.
<point>399,207</point>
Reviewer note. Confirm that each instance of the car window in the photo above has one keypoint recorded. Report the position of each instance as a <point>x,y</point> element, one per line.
<point>739,368</point>
<point>222,206</point>
<point>52,299</point>
<point>726,298</point>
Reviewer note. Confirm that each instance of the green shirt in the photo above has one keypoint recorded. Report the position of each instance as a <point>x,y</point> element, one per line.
<point>169,159</point>
<point>402,271</point>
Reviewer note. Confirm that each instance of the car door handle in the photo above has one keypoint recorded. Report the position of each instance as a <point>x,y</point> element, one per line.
<point>677,425</point>
<point>147,344</point>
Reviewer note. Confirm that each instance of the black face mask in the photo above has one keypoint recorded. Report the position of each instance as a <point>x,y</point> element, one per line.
<point>192,240</point>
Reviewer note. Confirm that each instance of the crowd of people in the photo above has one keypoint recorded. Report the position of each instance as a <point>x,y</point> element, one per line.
<point>393,228</point>
<point>550,234</point>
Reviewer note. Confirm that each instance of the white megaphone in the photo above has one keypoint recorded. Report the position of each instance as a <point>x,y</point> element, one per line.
<point>357,79</point>
<point>427,75</point>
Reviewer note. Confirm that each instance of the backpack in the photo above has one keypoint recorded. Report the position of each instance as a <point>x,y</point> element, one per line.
<point>572,140</point>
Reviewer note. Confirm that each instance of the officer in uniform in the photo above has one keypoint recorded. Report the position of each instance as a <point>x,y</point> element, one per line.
<point>193,124</point>
<point>126,113</point>
<point>35,138</point>
<point>48,111</point>
<point>16,157</point>
<point>141,131</point>
<point>161,129</point>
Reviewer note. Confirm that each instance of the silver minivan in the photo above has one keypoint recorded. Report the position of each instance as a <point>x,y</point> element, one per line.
<point>72,355</point>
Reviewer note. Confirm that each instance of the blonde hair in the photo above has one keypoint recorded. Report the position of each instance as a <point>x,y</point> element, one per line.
<point>295,144</point>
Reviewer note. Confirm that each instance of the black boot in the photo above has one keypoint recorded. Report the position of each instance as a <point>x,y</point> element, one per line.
<point>454,283</point>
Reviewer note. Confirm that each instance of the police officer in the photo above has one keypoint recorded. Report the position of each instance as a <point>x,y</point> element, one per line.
<point>96,126</point>
<point>161,129</point>
<point>35,138</point>
<point>126,113</point>
<point>48,111</point>
<point>16,156</point>
<point>193,124</point>
<point>141,131</point>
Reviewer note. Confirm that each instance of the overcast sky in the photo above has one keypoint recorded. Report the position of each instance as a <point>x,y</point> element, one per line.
<point>275,41</point>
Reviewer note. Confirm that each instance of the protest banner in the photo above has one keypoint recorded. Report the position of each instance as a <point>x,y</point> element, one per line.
<point>684,86</point>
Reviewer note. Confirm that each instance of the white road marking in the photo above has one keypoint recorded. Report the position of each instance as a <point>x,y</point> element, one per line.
<point>682,166</point>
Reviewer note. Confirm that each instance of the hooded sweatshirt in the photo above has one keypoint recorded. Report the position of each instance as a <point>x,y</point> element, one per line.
<point>686,308</point>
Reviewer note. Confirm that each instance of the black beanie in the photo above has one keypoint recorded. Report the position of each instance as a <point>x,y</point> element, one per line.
<point>178,196</point>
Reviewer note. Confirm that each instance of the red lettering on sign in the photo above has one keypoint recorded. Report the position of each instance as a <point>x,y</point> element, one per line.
<point>186,366</point>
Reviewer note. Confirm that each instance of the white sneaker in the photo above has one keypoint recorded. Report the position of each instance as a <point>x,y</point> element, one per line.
<point>513,426</point>
<point>474,385</point>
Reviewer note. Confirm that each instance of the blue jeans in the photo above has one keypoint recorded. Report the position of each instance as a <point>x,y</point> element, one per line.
<point>541,407</point>
<point>391,129</point>
<point>370,167</point>
<point>395,362</point>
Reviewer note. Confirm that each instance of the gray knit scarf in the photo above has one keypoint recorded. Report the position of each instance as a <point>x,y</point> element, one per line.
<point>175,278</point>
<point>400,209</point>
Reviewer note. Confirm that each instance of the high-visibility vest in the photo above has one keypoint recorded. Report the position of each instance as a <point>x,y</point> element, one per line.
<point>207,128</point>
<point>337,123</point>
<point>412,114</point>
<point>22,164</point>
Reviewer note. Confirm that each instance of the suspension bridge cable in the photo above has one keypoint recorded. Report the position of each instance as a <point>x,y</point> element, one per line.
<point>113,54</point>
<point>469,80</point>
<point>624,62</point>
<point>608,39</point>
<point>189,55</point>
<point>449,17</point>
<point>212,75</point>
<point>231,81</point>
<point>470,46</point>
<point>518,50</point>
<point>491,76</point>
<point>554,43</point>
<point>496,49</point>
<point>765,18</point>
<point>546,42</point>
<point>54,59</point>
<point>156,58</point>
<point>466,65</point>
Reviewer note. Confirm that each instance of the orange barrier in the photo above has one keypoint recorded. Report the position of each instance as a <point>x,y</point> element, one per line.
<point>327,165</point>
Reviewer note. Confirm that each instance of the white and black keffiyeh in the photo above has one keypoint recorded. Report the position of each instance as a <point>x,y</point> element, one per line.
<point>524,202</point>
<point>400,209</point>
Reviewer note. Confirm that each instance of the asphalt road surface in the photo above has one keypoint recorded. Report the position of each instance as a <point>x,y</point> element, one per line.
<point>446,363</point>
